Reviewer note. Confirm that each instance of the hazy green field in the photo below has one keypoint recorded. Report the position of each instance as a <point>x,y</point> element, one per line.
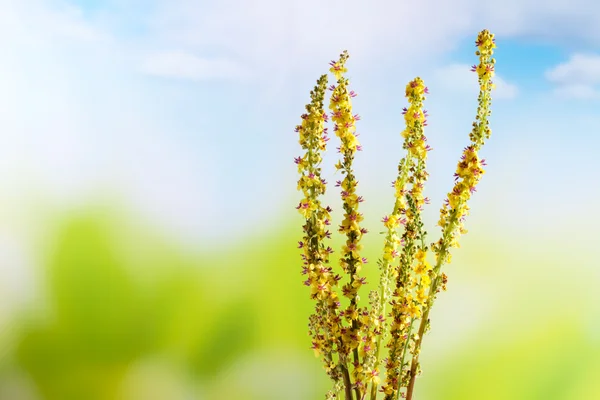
<point>121,313</point>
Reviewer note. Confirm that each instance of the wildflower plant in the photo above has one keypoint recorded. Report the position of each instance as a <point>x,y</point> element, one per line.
<point>373,350</point>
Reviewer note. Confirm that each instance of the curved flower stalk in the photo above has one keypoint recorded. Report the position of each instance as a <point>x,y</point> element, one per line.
<point>355,340</point>
<point>324,324</point>
<point>348,338</point>
<point>409,284</point>
<point>468,173</point>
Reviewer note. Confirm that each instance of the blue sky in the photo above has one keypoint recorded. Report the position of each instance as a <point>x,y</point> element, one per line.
<point>184,110</point>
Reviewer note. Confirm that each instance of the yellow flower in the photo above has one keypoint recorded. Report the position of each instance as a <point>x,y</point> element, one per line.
<point>390,221</point>
<point>485,42</point>
<point>353,248</point>
<point>420,268</point>
<point>306,207</point>
<point>373,376</point>
<point>413,310</point>
<point>388,389</point>
<point>416,88</point>
<point>337,68</point>
<point>320,289</point>
<point>389,253</point>
<point>421,296</point>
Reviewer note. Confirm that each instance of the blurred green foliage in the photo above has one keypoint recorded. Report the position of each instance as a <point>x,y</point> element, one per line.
<point>124,314</point>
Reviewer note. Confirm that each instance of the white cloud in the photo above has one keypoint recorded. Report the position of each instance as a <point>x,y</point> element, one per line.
<point>25,19</point>
<point>577,91</point>
<point>568,23</point>
<point>183,65</point>
<point>459,78</point>
<point>579,77</point>
<point>272,35</point>
<point>268,35</point>
<point>580,69</point>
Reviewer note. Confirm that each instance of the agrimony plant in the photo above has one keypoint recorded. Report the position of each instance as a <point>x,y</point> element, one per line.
<point>352,340</point>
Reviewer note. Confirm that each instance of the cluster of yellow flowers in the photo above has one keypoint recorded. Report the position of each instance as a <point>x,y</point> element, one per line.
<point>349,339</point>
<point>324,324</point>
<point>470,167</point>
<point>409,285</point>
<point>468,174</point>
<point>313,139</point>
<point>358,335</point>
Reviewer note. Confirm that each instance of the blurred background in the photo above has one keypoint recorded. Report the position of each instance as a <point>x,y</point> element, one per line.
<point>147,191</point>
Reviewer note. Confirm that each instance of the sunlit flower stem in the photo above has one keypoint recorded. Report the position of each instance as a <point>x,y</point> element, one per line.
<point>392,241</point>
<point>349,339</point>
<point>325,324</point>
<point>397,283</point>
<point>351,261</point>
<point>468,174</point>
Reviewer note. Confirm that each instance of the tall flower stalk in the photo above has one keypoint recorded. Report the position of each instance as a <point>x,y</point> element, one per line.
<point>351,339</point>
<point>468,173</point>
<point>350,261</point>
<point>409,283</point>
<point>325,324</point>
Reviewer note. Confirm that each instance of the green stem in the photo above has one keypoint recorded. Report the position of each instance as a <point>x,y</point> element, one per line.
<point>356,360</point>
<point>415,360</point>
<point>404,167</point>
<point>348,158</point>
<point>378,345</point>
<point>412,321</point>
<point>347,382</point>
<point>443,253</point>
